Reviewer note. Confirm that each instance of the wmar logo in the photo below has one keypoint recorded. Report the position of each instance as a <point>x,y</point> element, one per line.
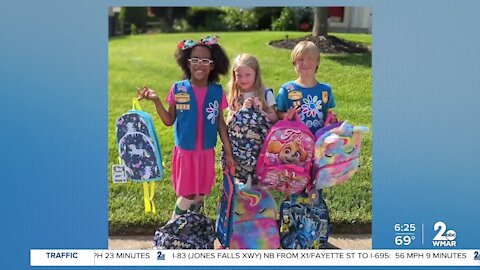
<point>444,237</point>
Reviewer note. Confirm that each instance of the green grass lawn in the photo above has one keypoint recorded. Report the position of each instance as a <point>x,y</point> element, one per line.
<point>135,61</point>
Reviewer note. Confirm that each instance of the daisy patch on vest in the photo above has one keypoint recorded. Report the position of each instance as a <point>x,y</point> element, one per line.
<point>212,111</point>
<point>311,106</point>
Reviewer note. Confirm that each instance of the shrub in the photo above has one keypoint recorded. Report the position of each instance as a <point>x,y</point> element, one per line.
<point>265,16</point>
<point>288,20</point>
<point>305,15</point>
<point>136,16</point>
<point>181,25</point>
<point>239,19</point>
<point>133,29</point>
<point>165,17</point>
<point>206,19</point>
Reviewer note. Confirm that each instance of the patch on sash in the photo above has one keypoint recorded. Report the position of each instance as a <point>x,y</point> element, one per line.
<point>182,88</point>
<point>182,98</point>
<point>324,97</point>
<point>295,95</point>
<point>183,107</point>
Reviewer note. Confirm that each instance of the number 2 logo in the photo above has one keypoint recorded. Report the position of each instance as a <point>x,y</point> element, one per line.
<point>441,227</point>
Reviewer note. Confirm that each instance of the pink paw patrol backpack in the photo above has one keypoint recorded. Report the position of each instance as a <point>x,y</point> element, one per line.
<point>337,152</point>
<point>285,161</point>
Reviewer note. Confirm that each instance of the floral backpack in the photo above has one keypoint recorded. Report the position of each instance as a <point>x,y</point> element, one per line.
<point>285,161</point>
<point>246,217</point>
<point>337,151</point>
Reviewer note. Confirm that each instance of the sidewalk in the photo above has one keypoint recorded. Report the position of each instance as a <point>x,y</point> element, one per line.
<point>339,241</point>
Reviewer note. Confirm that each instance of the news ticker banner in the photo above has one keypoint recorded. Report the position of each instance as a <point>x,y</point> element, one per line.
<point>414,257</point>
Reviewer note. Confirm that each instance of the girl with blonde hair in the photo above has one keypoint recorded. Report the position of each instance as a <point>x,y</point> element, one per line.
<point>251,114</point>
<point>246,89</point>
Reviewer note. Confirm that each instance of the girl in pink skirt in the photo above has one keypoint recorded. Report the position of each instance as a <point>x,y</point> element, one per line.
<point>196,111</point>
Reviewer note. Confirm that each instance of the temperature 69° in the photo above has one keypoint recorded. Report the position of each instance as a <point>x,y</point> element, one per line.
<point>404,240</point>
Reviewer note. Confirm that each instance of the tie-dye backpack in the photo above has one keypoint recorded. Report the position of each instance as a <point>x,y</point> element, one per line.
<point>285,161</point>
<point>337,151</point>
<point>246,217</point>
<point>304,222</point>
<point>139,150</point>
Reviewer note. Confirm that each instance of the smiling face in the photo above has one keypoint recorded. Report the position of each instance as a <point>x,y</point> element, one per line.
<point>200,71</point>
<point>306,65</point>
<point>306,58</point>
<point>245,77</point>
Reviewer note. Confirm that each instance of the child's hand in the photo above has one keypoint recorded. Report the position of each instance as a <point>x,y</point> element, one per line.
<point>292,113</point>
<point>258,104</point>
<point>331,118</point>
<point>230,162</point>
<point>147,93</point>
<point>334,118</point>
<point>237,104</point>
<point>248,103</point>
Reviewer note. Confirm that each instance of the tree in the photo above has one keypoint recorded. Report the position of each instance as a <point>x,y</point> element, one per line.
<point>320,21</point>
<point>133,18</point>
<point>168,15</point>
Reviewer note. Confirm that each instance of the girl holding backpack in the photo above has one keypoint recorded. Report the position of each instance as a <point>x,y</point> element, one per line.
<point>247,90</point>
<point>251,114</point>
<point>195,110</point>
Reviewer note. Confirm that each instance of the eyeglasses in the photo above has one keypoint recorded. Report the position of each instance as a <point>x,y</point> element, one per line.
<point>204,61</point>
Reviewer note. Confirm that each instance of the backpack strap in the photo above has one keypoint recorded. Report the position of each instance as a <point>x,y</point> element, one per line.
<point>266,92</point>
<point>136,104</point>
<point>148,192</point>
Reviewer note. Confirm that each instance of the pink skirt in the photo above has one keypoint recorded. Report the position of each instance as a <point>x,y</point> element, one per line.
<point>193,172</point>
